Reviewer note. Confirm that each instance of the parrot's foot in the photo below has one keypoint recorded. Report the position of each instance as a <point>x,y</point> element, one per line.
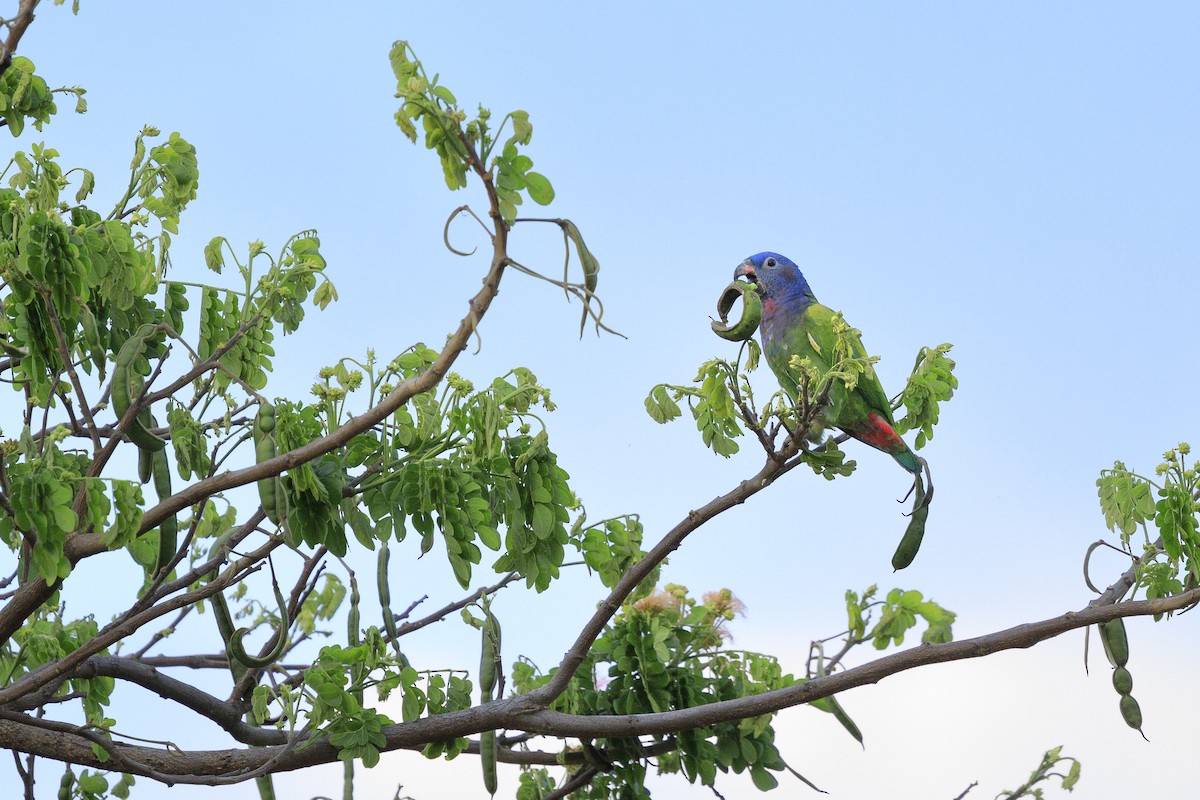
<point>924,490</point>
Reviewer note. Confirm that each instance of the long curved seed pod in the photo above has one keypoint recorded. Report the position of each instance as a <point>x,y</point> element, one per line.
<point>1115,641</point>
<point>145,465</point>
<point>747,324</point>
<point>270,490</point>
<point>831,705</point>
<point>168,529</point>
<point>910,543</point>
<point>353,638</point>
<point>385,593</point>
<point>127,385</point>
<point>238,651</point>
<point>489,659</point>
<point>591,268</point>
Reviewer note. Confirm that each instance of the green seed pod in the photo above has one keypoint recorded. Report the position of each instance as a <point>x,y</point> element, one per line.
<point>270,490</point>
<point>489,652</point>
<point>66,784</point>
<point>841,716</point>
<point>1131,712</point>
<point>910,543</point>
<point>145,465</point>
<point>384,589</point>
<point>487,757</point>
<point>237,650</point>
<point>1122,681</point>
<point>488,678</point>
<point>745,327</point>
<point>1115,641</point>
<point>264,420</point>
<point>139,430</point>
<point>127,385</point>
<point>168,529</point>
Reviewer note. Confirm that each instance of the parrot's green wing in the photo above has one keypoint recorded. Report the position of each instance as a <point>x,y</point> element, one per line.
<point>816,338</point>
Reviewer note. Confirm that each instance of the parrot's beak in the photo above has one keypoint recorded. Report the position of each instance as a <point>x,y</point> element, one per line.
<point>745,271</point>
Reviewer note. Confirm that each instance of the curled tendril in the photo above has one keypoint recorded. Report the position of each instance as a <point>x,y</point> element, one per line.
<point>1087,557</point>
<point>446,230</point>
<point>585,290</point>
<point>745,327</point>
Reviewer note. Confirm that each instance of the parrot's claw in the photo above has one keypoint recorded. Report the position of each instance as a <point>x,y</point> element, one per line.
<point>924,491</point>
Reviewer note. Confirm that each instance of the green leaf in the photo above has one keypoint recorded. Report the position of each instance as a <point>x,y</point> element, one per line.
<point>99,785</point>
<point>543,520</point>
<point>213,258</point>
<point>540,190</point>
<point>1072,776</point>
<point>86,185</point>
<point>522,129</point>
<point>764,781</point>
<point>660,406</point>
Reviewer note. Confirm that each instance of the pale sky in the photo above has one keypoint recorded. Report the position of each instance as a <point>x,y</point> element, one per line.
<point>1019,180</point>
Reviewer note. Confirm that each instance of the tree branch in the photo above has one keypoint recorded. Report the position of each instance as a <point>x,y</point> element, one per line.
<point>442,613</point>
<point>517,713</point>
<point>16,29</point>
<point>55,672</point>
<point>83,545</point>
<point>545,721</point>
<point>776,465</point>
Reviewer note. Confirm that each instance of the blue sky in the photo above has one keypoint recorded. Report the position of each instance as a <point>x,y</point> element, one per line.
<point>1018,179</point>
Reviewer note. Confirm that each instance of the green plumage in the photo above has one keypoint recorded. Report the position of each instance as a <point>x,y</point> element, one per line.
<point>806,343</point>
<point>796,327</point>
<point>814,338</point>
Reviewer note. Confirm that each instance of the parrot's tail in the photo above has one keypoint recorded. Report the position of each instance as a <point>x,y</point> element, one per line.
<point>909,460</point>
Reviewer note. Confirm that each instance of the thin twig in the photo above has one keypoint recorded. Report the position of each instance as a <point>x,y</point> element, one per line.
<point>445,611</point>
<point>963,793</point>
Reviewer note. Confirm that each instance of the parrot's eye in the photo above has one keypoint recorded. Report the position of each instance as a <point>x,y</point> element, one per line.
<point>770,262</point>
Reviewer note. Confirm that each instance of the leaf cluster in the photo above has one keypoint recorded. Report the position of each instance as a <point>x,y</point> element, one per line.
<point>1046,770</point>
<point>461,144</point>
<point>931,383</point>
<point>25,97</point>
<point>1127,499</point>
<point>898,613</point>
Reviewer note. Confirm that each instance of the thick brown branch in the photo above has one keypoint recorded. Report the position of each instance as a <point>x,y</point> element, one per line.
<point>223,713</point>
<point>545,721</point>
<point>518,713</point>
<point>55,672</point>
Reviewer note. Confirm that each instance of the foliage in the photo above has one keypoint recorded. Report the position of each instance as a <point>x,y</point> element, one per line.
<point>116,360</point>
<point>460,147</point>
<point>1046,770</point>
<point>931,383</point>
<point>1172,559</point>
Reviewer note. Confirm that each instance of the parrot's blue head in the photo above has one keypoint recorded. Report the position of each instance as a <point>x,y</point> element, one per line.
<point>779,281</point>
